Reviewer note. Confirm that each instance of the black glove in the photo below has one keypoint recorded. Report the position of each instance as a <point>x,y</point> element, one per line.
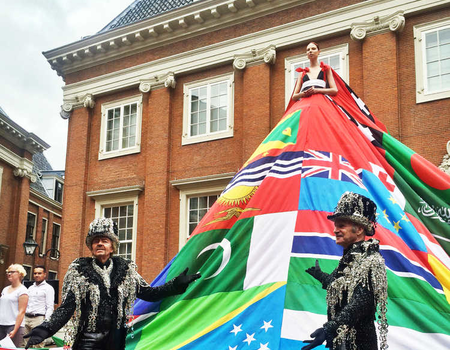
<point>315,271</point>
<point>318,335</point>
<point>37,335</point>
<point>182,281</point>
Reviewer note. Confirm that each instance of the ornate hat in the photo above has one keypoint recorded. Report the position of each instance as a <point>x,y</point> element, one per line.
<point>357,208</point>
<point>102,227</point>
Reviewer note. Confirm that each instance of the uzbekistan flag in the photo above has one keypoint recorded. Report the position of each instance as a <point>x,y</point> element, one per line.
<point>269,225</point>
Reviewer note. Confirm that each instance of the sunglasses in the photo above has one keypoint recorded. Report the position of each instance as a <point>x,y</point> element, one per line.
<point>10,272</point>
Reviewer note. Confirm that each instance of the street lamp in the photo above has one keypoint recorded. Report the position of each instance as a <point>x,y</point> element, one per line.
<point>30,246</point>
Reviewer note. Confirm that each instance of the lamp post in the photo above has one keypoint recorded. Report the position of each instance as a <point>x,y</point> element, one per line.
<point>30,246</point>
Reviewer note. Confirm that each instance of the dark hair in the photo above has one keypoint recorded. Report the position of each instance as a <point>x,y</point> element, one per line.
<point>40,267</point>
<point>313,42</point>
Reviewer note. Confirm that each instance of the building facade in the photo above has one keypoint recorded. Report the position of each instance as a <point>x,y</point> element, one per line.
<point>166,103</point>
<point>29,210</point>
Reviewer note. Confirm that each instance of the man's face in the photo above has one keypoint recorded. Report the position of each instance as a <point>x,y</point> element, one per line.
<point>39,275</point>
<point>347,232</point>
<point>102,247</point>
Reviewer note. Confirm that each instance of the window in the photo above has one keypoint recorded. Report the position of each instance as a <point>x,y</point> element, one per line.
<point>55,240</point>
<point>58,191</point>
<point>123,215</point>
<point>31,227</point>
<point>208,109</point>
<point>52,275</point>
<point>336,57</point>
<point>198,206</point>
<point>432,58</point>
<point>44,234</point>
<point>121,127</point>
<point>29,276</point>
<point>197,196</point>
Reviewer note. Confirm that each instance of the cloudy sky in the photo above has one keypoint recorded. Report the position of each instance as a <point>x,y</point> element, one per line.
<point>30,91</point>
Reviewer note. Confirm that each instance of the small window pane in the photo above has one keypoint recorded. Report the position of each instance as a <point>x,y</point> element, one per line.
<point>194,118</point>
<point>215,102</point>
<point>432,69</point>
<point>434,83</point>
<point>444,36</point>
<point>134,108</point>
<point>214,90</point>
<point>194,106</point>
<point>222,124</point>
<point>445,66</point>
<point>202,202</point>
<point>431,39</point>
<point>214,114</point>
<point>214,126</point>
<point>193,203</point>
<point>202,128</point>
<point>115,212</point>
<point>223,88</point>
<point>223,100</point>
<point>132,141</point>
<point>202,93</point>
<point>202,116</point>
<point>121,235</point>
<point>432,54</point>
<point>446,81</point>
<point>445,51</point>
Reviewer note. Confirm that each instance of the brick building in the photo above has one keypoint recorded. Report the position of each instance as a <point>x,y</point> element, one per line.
<point>167,101</point>
<point>31,200</point>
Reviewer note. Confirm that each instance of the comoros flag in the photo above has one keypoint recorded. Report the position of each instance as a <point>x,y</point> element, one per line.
<point>269,225</point>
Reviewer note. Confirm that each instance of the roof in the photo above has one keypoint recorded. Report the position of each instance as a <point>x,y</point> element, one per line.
<point>144,9</point>
<point>39,163</point>
<point>3,112</point>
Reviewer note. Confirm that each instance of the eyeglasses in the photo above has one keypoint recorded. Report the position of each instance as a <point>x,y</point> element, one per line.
<point>10,272</point>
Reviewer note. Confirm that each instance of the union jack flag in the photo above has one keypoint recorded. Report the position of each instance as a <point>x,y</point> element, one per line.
<point>330,166</point>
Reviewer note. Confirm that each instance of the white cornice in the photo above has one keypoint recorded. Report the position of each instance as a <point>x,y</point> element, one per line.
<point>181,24</point>
<point>127,190</point>
<point>20,137</point>
<point>394,23</point>
<point>202,180</point>
<point>331,23</point>
<point>47,200</point>
<point>15,160</point>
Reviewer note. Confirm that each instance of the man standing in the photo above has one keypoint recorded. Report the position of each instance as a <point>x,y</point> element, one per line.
<point>41,299</point>
<point>98,294</point>
<point>358,285</point>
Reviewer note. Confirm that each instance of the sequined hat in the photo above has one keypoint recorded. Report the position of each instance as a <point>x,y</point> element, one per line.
<point>357,208</point>
<point>102,227</point>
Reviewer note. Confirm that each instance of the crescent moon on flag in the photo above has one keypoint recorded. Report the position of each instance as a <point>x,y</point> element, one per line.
<point>225,244</point>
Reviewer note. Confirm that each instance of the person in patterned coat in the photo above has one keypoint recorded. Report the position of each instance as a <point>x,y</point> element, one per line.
<point>99,293</point>
<point>358,285</point>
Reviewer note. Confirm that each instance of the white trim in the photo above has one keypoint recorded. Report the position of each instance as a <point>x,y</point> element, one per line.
<point>126,190</point>
<point>206,185</point>
<point>59,238</point>
<point>30,275</point>
<point>115,199</point>
<point>16,161</point>
<point>422,95</point>
<point>47,200</point>
<point>102,154</point>
<point>284,36</point>
<point>35,224</point>
<point>186,138</point>
<point>44,234</point>
<point>292,60</point>
<point>1,179</point>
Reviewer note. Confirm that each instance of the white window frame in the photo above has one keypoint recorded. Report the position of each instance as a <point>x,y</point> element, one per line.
<point>44,234</point>
<point>102,154</point>
<point>229,132</point>
<point>117,200</point>
<point>55,272</point>
<point>1,179</point>
<point>59,240</point>
<point>29,275</point>
<point>422,95</point>
<point>35,224</point>
<point>196,187</point>
<point>289,63</point>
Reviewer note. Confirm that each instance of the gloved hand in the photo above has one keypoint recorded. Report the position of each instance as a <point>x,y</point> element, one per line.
<point>319,338</point>
<point>182,281</point>
<point>315,271</point>
<point>37,335</point>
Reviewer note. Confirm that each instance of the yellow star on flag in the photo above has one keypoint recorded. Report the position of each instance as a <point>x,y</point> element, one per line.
<point>386,215</point>
<point>397,226</point>
<point>393,200</point>
<point>405,218</point>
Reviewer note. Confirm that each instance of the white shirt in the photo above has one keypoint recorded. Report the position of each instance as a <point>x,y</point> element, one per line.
<point>9,306</point>
<point>41,299</point>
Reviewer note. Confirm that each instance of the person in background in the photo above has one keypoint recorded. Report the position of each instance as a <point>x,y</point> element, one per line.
<point>13,303</point>
<point>41,299</point>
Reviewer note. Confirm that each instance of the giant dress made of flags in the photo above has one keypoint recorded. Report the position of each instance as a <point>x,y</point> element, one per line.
<point>269,225</point>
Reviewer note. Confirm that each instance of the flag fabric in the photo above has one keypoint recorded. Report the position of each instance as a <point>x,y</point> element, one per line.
<point>269,225</point>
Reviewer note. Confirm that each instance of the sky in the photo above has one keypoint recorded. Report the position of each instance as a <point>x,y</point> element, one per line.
<point>30,91</point>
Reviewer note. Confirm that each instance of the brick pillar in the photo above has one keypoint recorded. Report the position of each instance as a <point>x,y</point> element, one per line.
<point>256,117</point>
<point>153,242</point>
<point>77,162</point>
<point>381,80</point>
<point>17,254</point>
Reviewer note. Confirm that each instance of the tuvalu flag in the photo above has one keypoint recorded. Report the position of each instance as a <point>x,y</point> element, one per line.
<point>269,225</point>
